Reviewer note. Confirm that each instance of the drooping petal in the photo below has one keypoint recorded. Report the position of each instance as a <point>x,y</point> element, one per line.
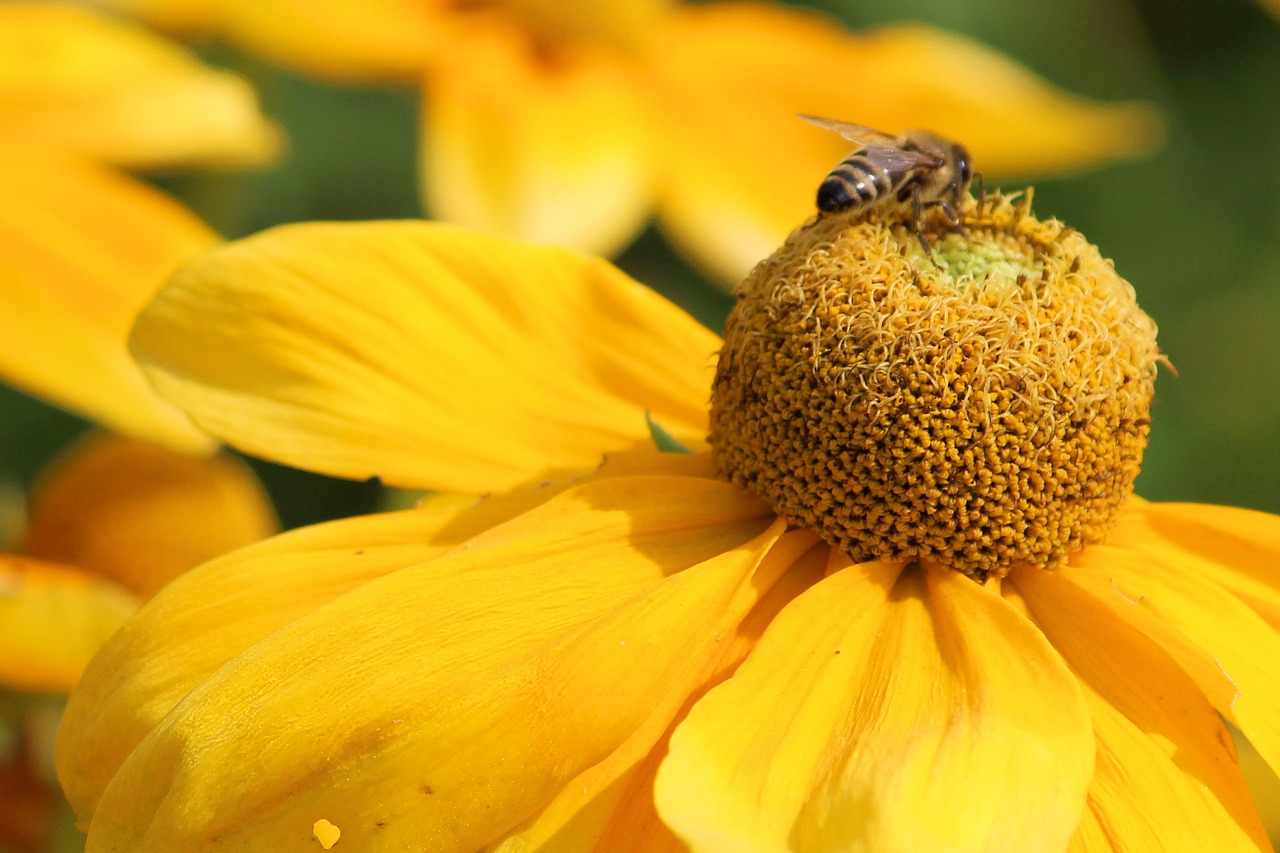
<point>1236,548</point>
<point>1225,646</point>
<point>1167,775</point>
<point>436,707</point>
<point>213,613</point>
<point>610,807</point>
<point>427,355</point>
<point>743,171</point>
<point>555,149</point>
<point>1141,799</point>
<point>75,80</point>
<point>885,710</point>
<point>139,514</point>
<point>82,248</point>
<point>52,620</point>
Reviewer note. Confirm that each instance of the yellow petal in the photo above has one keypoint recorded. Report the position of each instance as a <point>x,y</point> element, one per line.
<point>177,16</point>
<point>885,710</point>
<point>1219,641</point>
<point>213,613</point>
<point>424,354</point>
<point>1237,548</point>
<point>82,248</point>
<point>744,171</point>
<point>610,808</point>
<point>1167,776</point>
<point>369,41</point>
<point>52,620</point>
<point>1141,800</point>
<point>437,706</point>
<point>75,80</point>
<point>140,515</point>
<point>553,149</point>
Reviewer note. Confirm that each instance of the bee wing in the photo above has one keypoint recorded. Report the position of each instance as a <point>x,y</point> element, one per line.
<point>899,160</point>
<point>861,134</point>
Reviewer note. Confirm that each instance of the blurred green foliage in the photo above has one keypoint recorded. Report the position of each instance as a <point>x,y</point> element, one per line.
<point>1196,228</point>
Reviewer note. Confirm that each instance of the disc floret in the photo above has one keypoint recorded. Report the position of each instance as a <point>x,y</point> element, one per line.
<point>981,408</point>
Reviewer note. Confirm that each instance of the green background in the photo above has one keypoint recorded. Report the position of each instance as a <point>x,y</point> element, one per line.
<point>1193,227</point>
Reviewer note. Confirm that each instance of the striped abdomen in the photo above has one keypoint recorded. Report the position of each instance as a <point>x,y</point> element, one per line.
<point>855,182</point>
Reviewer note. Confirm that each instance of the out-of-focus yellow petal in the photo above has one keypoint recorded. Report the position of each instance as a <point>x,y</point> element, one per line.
<point>52,620</point>
<point>556,149</point>
<point>140,514</point>
<point>610,808</point>
<point>885,710</point>
<point>1167,776</point>
<point>480,683</point>
<point>76,80</point>
<point>368,41</point>
<point>1236,548</point>
<point>82,248</point>
<point>744,171</point>
<point>213,613</point>
<point>422,353</point>
<point>1222,643</point>
<point>623,24</point>
<point>176,16</point>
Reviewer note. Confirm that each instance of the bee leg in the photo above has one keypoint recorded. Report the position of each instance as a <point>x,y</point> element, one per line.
<point>982,192</point>
<point>957,224</point>
<point>917,221</point>
<point>924,244</point>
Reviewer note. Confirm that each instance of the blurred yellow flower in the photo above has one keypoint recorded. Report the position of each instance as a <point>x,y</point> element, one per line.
<point>650,657</point>
<point>111,521</point>
<point>82,246</point>
<point>574,122</point>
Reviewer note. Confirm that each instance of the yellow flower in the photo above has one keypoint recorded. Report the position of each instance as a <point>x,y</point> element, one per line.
<point>109,523</point>
<point>82,247</point>
<point>573,122</point>
<point>650,657</point>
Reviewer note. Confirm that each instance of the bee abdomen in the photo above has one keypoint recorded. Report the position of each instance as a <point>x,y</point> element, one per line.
<point>854,182</point>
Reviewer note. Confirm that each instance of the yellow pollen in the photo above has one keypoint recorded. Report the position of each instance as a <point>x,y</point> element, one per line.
<point>980,409</point>
<point>326,833</point>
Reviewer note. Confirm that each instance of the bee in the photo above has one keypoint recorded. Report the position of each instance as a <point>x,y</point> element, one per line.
<point>915,167</point>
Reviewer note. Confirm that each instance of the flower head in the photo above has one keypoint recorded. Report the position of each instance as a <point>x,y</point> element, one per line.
<point>650,657</point>
<point>987,408</point>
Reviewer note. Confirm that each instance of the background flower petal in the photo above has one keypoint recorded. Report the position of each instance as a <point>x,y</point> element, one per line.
<point>885,710</point>
<point>552,148</point>
<point>369,41</point>
<point>82,248</point>
<point>457,695</point>
<point>139,514</point>
<point>743,171</point>
<point>52,620</point>
<point>75,80</point>
<point>422,353</point>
